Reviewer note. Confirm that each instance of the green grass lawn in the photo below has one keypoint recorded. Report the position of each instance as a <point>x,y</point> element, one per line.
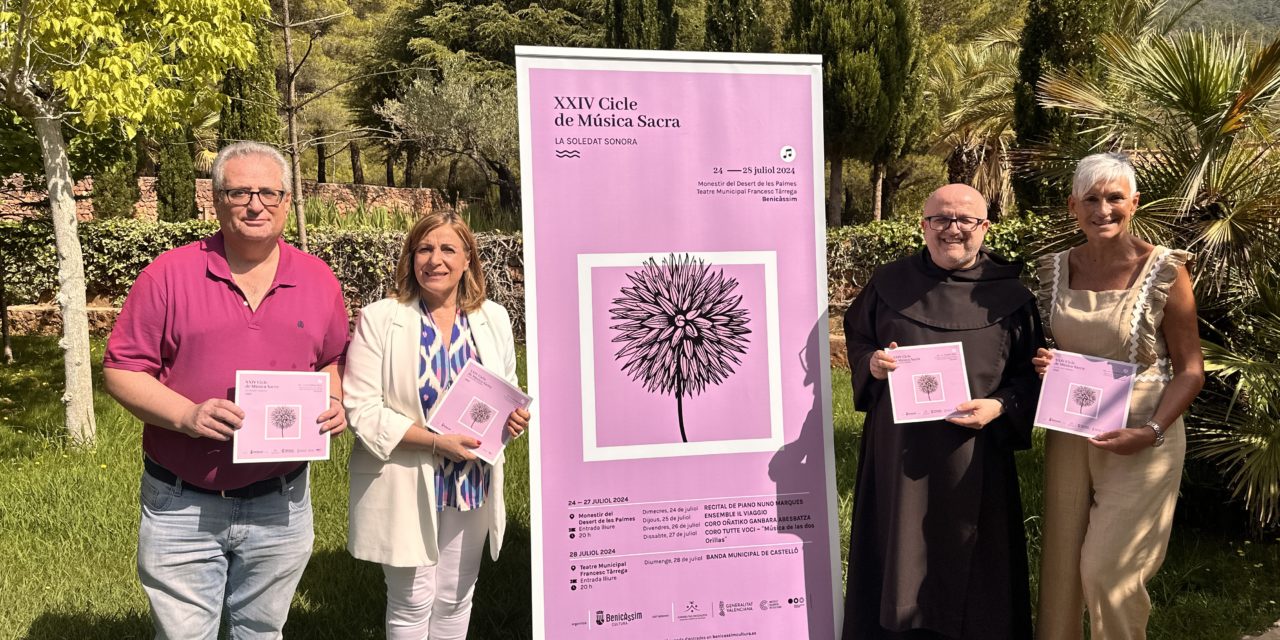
<point>68,530</point>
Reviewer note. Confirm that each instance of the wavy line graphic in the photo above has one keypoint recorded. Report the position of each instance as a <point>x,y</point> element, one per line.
<point>568,154</point>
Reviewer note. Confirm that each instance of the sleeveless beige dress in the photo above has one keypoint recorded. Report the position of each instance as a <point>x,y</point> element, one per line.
<point>1107,516</point>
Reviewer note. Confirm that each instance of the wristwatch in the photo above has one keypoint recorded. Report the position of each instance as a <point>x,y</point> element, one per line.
<point>1155,426</point>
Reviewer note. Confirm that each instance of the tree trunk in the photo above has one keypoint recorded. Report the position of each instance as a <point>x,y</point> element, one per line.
<point>4,314</point>
<point>78,398</point>
<point>391,167</point>
<point>877,190</point>
<point>508,190</point>
<point>995,209</point>
<point>892,184</point>
<point>321,176</point>
<point>357,167</point>
<point>962,164</point>
<point>146,165</point>
<point>451,183</point>
<point>410,167</point>
<point>835,189</point>
<point>291,116</point>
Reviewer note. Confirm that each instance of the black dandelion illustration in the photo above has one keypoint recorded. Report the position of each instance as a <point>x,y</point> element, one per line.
<point>1084,397</point>
<point>282,418</point>
<point>479,412</point>
<point>682,327</point>
<point>928,384</point>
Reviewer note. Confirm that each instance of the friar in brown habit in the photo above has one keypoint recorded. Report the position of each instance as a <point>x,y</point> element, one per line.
<point>937,547</point>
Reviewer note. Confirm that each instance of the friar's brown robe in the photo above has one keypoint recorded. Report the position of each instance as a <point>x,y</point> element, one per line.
<point>937,548</point>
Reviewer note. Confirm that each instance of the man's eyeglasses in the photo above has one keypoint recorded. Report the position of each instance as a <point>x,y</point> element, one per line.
<point>268,197</point>
<point>963,223</point>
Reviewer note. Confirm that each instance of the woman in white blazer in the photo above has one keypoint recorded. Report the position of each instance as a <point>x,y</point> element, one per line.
<point>421,503</point>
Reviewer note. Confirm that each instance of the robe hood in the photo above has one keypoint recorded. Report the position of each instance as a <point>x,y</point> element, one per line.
<point>964,299</point>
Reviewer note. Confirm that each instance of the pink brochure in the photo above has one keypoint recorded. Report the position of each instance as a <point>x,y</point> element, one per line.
<point>280,411</point>
<point>929,382</point>
<point>477,405</point>
<point>1085,395</point>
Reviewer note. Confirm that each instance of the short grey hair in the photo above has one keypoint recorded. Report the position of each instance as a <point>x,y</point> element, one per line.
<point>249,148</point>
<point>1101,168</point>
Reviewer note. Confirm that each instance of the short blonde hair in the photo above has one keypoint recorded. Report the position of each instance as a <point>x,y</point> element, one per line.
<point>1101,168</point>
<point>471,288</point>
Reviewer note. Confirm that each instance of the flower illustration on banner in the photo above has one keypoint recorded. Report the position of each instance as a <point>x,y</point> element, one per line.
<point>282,418</point>
<point>683,327</point>
<point>479,412</point>
<point>927,384</point>
<point>1084,397</point>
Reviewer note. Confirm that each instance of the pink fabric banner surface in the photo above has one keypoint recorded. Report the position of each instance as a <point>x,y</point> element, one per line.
<point>681,459</point>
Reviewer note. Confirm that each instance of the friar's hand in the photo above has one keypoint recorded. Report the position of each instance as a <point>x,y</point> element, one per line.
<point>882,363</point>
<point>977,413</point>
<point>1042,360</point>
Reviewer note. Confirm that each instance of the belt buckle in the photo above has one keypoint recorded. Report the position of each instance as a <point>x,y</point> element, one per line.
<point>223,493</point>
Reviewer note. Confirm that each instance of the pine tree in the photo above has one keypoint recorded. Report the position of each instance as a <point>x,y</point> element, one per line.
<point>250,113</point>
<point>1058,34</point>
<point>641,24</point>
<point>866,47</point>
<point>913,118</point>
<point>115,186</point>
<point>176,178</point>
<point>735,25</point>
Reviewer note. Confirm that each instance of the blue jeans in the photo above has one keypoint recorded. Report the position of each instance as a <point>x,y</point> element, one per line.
<point>199,553</point>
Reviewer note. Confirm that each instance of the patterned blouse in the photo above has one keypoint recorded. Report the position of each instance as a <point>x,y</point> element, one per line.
<point>461,485</point>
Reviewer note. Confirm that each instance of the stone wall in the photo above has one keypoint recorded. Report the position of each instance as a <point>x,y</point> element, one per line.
<point>19,200</point>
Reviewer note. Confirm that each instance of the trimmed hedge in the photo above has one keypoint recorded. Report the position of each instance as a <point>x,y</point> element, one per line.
<point>115,251</point>
<point>854,253</point>
<point>364,260</point>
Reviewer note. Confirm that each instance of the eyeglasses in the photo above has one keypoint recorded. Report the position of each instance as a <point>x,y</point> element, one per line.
<point>268,197</point>
<point>963,223</point>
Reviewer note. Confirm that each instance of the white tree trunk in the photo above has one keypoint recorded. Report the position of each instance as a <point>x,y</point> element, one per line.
<point>78,397</point>
<point>877,189</point>
<point>291,117</point>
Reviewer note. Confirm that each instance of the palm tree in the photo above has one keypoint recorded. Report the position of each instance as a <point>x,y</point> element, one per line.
<point>1240,429</point>
<point>1198,112</point>
<point>973,87</point>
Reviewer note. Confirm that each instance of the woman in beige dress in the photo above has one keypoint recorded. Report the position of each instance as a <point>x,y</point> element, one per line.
<point>1109,500</point>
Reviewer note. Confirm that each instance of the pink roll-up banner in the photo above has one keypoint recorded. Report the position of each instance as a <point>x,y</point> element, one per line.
<point>682,467</point>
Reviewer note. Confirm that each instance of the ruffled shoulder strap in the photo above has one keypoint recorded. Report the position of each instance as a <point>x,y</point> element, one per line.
<point>1148,305</point>
<point>1048,273</point>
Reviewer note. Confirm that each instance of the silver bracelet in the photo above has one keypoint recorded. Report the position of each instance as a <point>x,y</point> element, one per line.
<point>1155,426</point>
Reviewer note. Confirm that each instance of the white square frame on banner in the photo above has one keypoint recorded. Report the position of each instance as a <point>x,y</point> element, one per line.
<point>591,450</point>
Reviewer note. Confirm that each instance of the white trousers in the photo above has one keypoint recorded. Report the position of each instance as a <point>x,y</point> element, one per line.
<point>434,603</point>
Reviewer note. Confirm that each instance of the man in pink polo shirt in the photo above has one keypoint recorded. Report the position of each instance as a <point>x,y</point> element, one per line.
<point>216,534</point>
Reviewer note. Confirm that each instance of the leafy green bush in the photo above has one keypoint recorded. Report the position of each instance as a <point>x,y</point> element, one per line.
<point>115,251</point>
<point>854,253</point>
<point>364,258</point>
